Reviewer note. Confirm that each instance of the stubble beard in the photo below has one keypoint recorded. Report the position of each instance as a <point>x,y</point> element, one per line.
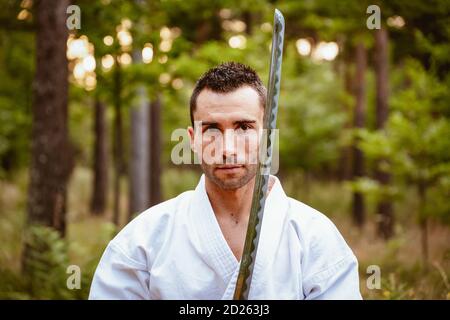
<point>232,182</point>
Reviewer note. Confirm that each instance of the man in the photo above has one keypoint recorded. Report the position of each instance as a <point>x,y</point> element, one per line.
<point>189,247</point>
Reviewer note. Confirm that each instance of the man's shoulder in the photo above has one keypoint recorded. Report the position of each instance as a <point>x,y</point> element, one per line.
<point>305,215</point>
<point>150,225</point>
<point>315,230</point>
<point>168,207</point>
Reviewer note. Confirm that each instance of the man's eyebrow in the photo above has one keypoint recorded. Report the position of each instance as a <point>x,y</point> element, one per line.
<point>244,121</point>
<point>209,123</point>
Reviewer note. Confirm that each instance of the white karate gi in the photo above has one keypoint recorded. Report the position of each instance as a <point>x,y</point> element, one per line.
<point>176,250</point>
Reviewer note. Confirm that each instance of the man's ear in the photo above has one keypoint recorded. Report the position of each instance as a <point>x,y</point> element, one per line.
<point>191,133</point>
<point>195,135</point>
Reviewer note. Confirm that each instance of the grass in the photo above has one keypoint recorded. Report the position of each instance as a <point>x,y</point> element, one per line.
<point>403,276</point>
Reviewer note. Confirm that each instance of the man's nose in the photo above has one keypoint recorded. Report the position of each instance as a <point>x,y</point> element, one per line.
<point>229,144</point>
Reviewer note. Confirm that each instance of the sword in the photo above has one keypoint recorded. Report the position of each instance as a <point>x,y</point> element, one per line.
<point>248,259</point>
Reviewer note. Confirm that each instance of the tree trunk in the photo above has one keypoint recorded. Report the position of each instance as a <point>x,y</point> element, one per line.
<point>345,156</point>
<point>248,18</point>
<point>118,143</point>
<point>208,29</point>
<point>100,186</point>
<point>139,182</point>
<point>359,122</point>
<point>50,160</point>
<point>384,206</point>
<point>155,151</point>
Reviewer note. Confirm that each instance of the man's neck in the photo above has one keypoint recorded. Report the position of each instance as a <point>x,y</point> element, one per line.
<point>236,202</point>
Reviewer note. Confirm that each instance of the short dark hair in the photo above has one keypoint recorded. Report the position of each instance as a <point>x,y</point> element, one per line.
<point>225,78</point>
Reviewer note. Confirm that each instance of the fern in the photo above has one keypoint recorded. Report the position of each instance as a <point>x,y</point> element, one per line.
<point>45,264</point>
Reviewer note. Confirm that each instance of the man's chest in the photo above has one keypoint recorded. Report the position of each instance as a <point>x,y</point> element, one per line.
<point>234,232</point>
<point>188,271</point>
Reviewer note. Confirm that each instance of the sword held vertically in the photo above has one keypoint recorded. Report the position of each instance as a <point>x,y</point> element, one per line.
<point>248,259</point>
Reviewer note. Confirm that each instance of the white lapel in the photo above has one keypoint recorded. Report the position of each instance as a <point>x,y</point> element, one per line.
<point>215,250</point>
<point>275,210</point>
<point>217,253</point>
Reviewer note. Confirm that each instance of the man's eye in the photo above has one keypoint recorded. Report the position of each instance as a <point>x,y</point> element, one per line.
<point>210,128</point>
<point>244,127</point>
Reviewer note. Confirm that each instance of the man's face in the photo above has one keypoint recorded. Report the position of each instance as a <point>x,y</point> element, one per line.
<point>228,138</point>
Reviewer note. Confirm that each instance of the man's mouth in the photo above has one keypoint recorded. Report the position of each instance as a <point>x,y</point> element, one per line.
<point>229,168</point>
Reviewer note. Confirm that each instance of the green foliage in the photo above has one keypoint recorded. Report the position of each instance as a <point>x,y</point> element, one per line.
<point>414,145</point>
<point>16,74</point>
<point>311,120</point>
<point>45,261</point>
<point>415,136</point>
<point>373,188</point>
<point>45,265</point>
